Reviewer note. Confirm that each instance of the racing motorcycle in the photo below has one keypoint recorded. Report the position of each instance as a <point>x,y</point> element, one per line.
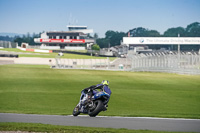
<point>91,103</point>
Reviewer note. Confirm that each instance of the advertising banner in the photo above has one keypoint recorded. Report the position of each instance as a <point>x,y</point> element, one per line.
<point>62,40</point>
<point>162,40</point>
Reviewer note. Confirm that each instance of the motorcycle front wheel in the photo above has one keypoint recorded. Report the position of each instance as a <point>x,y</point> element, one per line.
<point>96,109</point>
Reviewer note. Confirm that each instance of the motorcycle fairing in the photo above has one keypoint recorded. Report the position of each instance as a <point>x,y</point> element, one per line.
<point>100,94</point>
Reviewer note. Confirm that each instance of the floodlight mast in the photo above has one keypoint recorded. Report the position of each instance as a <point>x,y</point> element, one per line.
<point>178,45</point>
<point>179,53</point>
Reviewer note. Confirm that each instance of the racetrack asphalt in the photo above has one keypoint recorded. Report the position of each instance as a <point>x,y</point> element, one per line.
<point>142,123</point>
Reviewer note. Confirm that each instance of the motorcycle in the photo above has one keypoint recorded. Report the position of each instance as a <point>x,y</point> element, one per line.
<point>91,103</point>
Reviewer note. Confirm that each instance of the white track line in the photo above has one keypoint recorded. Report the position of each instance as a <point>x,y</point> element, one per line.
<point>154,118</point>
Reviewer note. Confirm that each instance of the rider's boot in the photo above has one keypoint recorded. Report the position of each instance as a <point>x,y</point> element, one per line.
<point>105,107</point>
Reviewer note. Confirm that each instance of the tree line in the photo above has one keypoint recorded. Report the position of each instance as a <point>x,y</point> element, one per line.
<point>6,38</point>
<point>114,38</point>
<point>28,38</point>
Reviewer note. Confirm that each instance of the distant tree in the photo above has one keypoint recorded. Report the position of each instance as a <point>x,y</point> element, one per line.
<point>96,36</point>
<point>153,33</point>
<point>173,32</point>
<point>89,36</point>
<point>139,32</point>
<point>143,32</point>
<point>114,37</point>
<point>6,38</point>
<point>103,42</point>
<point>19,40</point>
<point>27,39</point>
<point>193,29</point>
<point>95,47</point>
<point>109,34</point>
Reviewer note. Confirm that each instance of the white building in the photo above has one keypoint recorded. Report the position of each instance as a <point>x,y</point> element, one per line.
<point>74,39</point>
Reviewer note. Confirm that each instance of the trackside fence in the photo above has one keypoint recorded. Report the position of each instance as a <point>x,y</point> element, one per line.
<point>181,63</point>
<point>81,63</point>
<point>172,63</point>
<point>98,64</point>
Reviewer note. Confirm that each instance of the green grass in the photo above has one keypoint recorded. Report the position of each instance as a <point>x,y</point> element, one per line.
<point>69,129</point>
<point>41,90</point>
<point>66,55</point>
<point>15,50</point>
<point>53,55</point>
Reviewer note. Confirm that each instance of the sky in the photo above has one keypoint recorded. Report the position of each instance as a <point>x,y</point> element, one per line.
<point>34,16</point>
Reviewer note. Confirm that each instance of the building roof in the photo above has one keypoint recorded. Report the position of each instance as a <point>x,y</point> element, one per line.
<point>64,33</point>
<point>77,26</point>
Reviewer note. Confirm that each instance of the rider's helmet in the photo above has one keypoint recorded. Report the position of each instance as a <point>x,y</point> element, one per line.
<point>105,82</point>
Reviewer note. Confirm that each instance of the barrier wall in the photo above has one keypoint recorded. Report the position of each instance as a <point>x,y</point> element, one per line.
<point>36,50</point>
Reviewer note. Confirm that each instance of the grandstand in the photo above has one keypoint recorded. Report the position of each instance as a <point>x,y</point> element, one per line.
<point>76,38</point>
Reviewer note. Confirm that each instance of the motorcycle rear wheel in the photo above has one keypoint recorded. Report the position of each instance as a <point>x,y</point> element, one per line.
<point>99,107</point>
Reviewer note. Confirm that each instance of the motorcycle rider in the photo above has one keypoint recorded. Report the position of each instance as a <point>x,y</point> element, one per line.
<point>104,87</point>
<point>90,96</point>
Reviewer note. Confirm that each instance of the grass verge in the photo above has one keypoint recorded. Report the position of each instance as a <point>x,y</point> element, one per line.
<point>53,55</point>
<point>41,90</point>
<point>66,129</point>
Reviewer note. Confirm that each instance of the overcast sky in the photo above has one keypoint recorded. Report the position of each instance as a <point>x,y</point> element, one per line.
<point>22,16</point>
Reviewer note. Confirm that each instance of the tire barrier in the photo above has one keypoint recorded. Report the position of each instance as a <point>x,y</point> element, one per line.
<point>9,55</point>
<point>35,50</point>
